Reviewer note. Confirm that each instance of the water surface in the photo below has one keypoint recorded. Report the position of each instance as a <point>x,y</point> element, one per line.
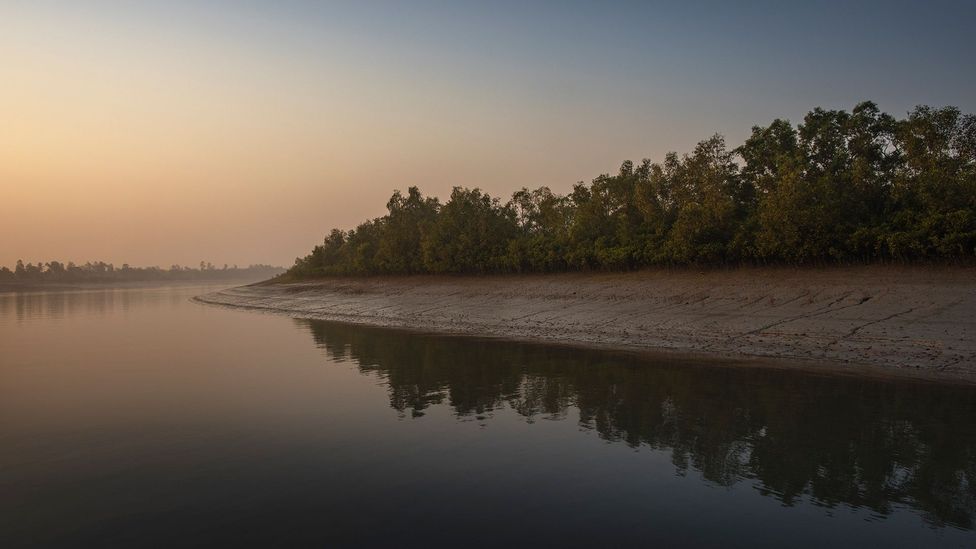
<point>135,417</point>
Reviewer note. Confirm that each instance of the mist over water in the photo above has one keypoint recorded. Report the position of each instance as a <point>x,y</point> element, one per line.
<point>129,415</point>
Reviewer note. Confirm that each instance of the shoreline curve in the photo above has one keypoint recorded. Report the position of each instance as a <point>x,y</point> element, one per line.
<point>917,322</point>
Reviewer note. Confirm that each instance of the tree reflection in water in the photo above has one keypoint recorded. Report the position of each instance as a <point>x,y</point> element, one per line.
<point>830,440</point>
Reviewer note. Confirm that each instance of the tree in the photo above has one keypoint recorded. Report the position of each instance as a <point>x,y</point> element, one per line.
<point>470,235</point>
<point>709,199</point>
<point>934,186</point>
<point>543,220</point>
<point>409,219</point>
<point>841,186</point>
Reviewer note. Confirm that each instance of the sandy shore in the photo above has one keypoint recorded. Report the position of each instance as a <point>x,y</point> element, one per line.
<point>918,321</point>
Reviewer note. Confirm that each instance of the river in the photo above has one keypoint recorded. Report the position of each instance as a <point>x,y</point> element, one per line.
<point>137,417</point>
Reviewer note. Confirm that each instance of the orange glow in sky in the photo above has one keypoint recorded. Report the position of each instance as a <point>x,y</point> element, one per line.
<point>174,132</point>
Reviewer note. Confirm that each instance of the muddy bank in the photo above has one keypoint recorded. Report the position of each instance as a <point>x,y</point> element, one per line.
<point>916,321</point>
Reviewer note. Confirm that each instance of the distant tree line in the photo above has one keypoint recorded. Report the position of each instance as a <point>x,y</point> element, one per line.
<point>857,186</point>
<point>56,271</point>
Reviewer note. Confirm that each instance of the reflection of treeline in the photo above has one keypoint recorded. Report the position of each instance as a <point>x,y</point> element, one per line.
<point>92,302</point>
<point>841,186</point>
<point>55,271</point>
<point>859,442</point>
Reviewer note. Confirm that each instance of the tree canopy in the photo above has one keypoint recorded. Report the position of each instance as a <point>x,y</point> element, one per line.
<point>856,186</point>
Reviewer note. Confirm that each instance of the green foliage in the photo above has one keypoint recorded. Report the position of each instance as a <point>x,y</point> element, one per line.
<point>400,247</point>
<point>841,187</point>
<point>544,220</point>
<point>471,234</point>
<point>708,202</point>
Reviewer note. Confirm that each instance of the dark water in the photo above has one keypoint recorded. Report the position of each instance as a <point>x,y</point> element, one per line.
<point>138,418</point>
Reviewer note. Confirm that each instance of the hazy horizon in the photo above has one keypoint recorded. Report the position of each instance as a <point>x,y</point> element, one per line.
<point>173,132</point>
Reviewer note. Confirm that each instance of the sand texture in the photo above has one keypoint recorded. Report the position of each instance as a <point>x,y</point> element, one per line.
<point>899,319</point>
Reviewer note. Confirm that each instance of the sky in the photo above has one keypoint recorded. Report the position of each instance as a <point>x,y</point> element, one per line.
<point>155,133</point>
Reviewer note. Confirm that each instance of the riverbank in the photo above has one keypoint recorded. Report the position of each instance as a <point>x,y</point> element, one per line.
<point>915,321</point>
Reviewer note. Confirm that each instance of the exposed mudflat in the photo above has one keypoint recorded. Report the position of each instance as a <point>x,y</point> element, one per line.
<point>918,321</point>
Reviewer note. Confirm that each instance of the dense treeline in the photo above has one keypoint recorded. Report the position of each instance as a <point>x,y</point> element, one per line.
<point>842,186</point>
<point>56,271</point>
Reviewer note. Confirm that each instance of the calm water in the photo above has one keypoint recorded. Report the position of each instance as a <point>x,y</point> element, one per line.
<point>136,417</point>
